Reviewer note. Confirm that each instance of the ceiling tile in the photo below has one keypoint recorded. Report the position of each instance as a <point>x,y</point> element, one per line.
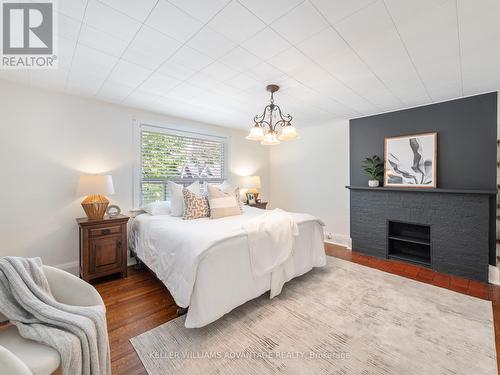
<point>201,9</point>
<point>129,74</point>
<point>110,21</point>
<point>480,36</point>
<point>225,90</point>
<point>185,63</point>
<point>173,22</point>
<point>236,23</point>
<point>322,44</point>
<point>405,11</point>
<point>218,71</point>
<point>269,11</point>
<point>184,91</point>
<point>211,43</point>
<point>202,81</point>
<point>159,84</point>
<point>140,99</point>
<point>132,8</point>
<point>265,73</point>
<point>289,60</point>
<point>94,38</point>
<point>332,53</point>
<point>371,33</point>
<point>243,82</point>
<point>92,61</point>
<point>434,48</point>
<point>266,44</point>
<point>66,50</point>
<point>337,10</point>
<point>72,8</point>
<point>68,27</point>
<point>322,82</point>
<point>150,48</point>
<point>240,59</point>
<point>84,83</point>
<point>114,91</point>
<point>302,22</point>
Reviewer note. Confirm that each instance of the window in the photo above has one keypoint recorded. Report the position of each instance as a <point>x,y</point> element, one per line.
<point>168,155</point>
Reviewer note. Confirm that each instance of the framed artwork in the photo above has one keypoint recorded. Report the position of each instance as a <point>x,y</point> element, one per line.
<point>250,198</point>
<point>411,161</point>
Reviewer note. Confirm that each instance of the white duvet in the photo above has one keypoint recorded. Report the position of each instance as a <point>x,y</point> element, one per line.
<point>205,264</point>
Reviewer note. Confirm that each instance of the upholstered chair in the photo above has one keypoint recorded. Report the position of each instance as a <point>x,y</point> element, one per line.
<point>19,356</point>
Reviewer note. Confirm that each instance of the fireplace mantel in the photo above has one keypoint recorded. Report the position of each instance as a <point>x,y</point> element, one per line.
<point>424,190</point>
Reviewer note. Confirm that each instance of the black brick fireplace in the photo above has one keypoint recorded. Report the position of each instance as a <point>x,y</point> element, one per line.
<point>448,231</point>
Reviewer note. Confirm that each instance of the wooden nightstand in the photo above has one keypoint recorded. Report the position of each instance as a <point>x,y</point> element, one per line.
<point>103,247</point>
<point>261,205</point>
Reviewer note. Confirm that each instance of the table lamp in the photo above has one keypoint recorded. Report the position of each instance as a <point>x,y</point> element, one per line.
<point>95,187</point>
<point>252,184</point>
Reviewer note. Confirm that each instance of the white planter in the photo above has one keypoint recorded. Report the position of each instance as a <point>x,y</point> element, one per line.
<point>373,183</point>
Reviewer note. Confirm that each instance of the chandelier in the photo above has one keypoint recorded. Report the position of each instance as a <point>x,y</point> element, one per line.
<point>272,126</point>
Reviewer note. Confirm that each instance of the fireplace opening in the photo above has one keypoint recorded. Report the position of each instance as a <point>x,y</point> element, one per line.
<point>409,242</point>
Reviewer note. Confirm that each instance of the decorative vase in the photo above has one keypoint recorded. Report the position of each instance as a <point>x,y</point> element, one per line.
<point>373,183</point>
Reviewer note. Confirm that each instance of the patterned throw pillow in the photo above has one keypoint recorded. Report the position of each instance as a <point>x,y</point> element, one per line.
<point>222,203</point>
<point>195,206</point>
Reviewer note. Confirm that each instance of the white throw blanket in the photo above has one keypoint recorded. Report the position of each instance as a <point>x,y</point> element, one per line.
<point>270,242</point>
<point>78,333</point>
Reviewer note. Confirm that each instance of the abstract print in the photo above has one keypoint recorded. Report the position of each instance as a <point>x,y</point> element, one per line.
<point>410,160</point>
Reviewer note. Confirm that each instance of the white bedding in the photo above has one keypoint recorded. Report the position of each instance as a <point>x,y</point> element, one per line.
<point>205,264</point>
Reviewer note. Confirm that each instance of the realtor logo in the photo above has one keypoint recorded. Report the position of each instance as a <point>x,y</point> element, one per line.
<point>28,35</point>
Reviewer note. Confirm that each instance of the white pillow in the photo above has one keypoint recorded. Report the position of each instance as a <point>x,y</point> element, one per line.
<point>177,198</point>
<point>157,208</point>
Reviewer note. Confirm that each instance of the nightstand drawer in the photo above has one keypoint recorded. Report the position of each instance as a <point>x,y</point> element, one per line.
<point>105,231</point>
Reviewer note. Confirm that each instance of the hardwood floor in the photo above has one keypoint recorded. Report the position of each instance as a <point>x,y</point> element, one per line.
<point>141,302</point>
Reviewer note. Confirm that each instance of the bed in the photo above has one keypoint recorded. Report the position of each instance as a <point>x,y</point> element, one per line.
<point>205,264</point>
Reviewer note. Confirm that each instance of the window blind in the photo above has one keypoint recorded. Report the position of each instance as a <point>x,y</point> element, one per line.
<point>181,159</point>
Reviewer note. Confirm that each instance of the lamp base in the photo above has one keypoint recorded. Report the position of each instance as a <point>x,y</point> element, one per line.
<point>95,206</point>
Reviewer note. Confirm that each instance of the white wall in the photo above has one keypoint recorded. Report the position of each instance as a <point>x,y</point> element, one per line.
<point>310,175</point>
<point>47,140</point>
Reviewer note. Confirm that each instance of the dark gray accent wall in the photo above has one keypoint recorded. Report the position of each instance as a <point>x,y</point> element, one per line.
<point>467,156</point>
<point>467,133</point>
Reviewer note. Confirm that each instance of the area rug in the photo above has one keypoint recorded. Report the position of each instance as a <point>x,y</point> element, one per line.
<point>341,319</point>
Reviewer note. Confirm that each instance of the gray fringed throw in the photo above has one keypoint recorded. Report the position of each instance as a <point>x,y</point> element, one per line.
<point>78,333</point>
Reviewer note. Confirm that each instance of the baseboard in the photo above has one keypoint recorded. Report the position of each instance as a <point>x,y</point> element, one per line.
<point>493,275</point>
<point>338,239</point>
<point>71,267</point>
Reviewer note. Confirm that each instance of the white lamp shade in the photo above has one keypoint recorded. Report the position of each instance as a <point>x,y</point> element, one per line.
<point>288,133</point>
<point>256,134</point>
<point>270,139</point>
<point>250,182</point>
<point>95,185</point>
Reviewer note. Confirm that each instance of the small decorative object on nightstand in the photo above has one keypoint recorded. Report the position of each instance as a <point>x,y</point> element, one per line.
<point>251,184</point>
<point>103,246</point>
<point>262,205</point>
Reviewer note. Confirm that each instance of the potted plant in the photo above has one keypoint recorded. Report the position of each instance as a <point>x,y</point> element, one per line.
<point>374,168</point>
